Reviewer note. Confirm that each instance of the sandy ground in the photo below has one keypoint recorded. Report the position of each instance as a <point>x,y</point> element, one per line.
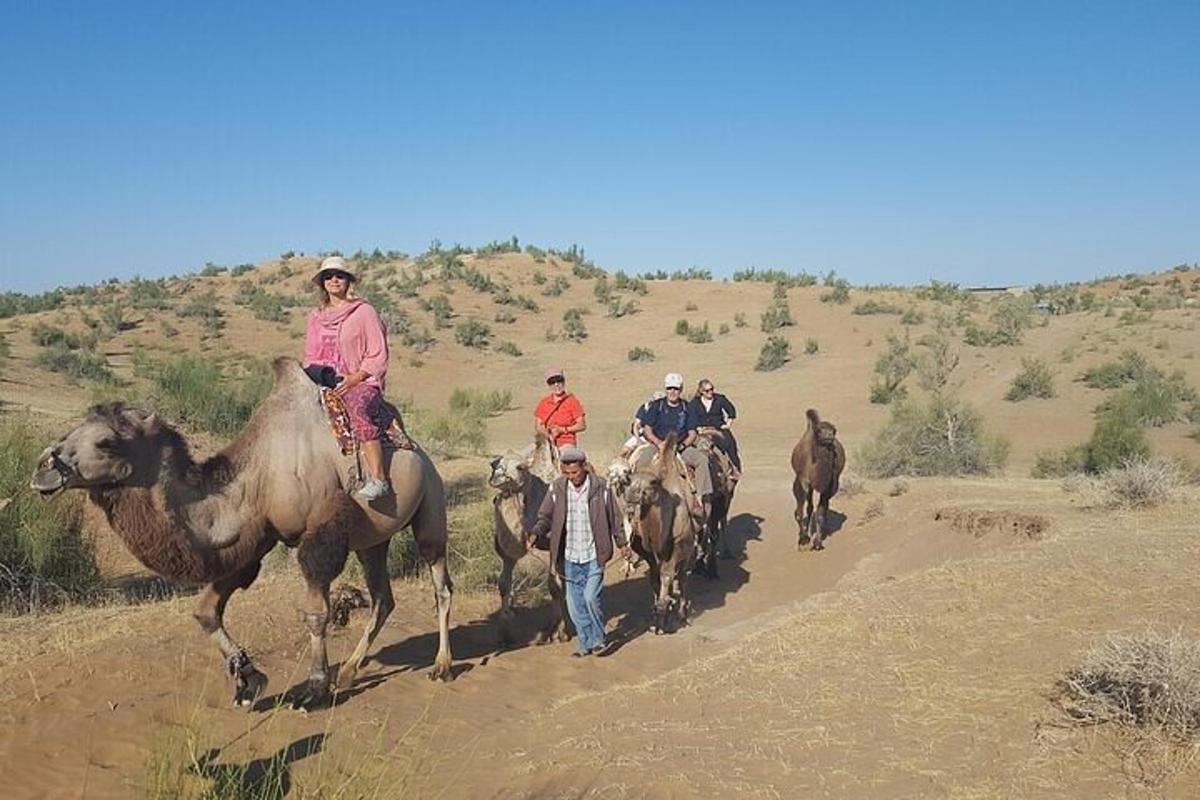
<point>912,658</point>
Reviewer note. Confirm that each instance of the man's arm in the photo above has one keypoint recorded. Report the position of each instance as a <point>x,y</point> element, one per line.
<point>649,416</point>
<point>545,514</point>
<point>616,529</point>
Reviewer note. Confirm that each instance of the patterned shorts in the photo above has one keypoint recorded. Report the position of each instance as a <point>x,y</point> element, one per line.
<point>369,417</point>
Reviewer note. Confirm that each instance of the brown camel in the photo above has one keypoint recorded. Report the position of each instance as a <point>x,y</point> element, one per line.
<point>817,461</point>
<point>664,533</point>
<point>282,480</point>
<point>520,493</point>
<point>724,486</point>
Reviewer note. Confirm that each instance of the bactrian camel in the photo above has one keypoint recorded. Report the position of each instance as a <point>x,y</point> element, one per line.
<point>282,480</point>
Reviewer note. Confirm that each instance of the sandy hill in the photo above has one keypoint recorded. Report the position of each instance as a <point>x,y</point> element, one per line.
<point>913,658</point>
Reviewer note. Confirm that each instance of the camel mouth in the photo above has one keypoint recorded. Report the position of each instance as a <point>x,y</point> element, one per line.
<point>48,482</point>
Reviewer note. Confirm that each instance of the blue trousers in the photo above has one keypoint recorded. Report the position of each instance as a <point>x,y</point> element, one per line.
<point>585,582</point>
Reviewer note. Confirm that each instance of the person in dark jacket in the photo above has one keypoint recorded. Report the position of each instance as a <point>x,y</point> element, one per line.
<point>672,415</point>
<point>583,524</point>
<point>714,410</point>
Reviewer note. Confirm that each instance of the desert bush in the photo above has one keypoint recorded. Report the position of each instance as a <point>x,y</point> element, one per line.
<point>943,292</point>
<point>623,282</point>
<point>699,335</point>
<point>148,295</point>
<point>681,327</point>
<point>271,307</point>
<point>1136,483</point>
<point>439,307</point>
<point>212,270</point>
<point>556,287</point>
<point>602,290</point>
<point>778,315</point>
<point>618,308</point>
<point>892,367</point>
<point>692,274</point>
<point>723,329</point>
<point>937,362</point>
<point>45,559</point>
<point>1129,367</point>
<point>113,317</point>
<point>1116,439</point>
<point>539,277</point>
<point>206,309</point>
<point>573,328</point>
<point>641,354</point>
<point>774,354</point>
<point>482,402</point>
<point>473,333</point>
<point>1155,400</point>
<point>1034,380</point>
<point>79,364</point>
<point>939,436</point>
<point>739,320</point>
<point>241,269</point>
<point>839,290</point>
<point>537,253</point>
<point>511,245</point>
<point>418,340</point>
<point>1148,683</point>
<point>14,303</point>
<point>505,317</point>
<point>509,349</point>
<point>876,307</point>
<point>776,276</point>
<point>45,335</point>
<point>911,316</point>
<point>198,393</point>
<point>811,346</point>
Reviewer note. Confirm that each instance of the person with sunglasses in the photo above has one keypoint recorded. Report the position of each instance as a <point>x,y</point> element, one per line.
<point>673,415</point>
<point>346,333</point>
<point>559,415</point>
<point>715,414</point>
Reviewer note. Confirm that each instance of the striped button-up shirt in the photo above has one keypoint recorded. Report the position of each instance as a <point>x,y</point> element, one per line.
<point>580,546</point>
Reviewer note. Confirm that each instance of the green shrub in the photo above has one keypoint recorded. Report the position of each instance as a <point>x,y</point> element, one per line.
<point>573,327</point>
<point>212,270</point>
<point>14,303</point>
<point>839,290</point>
<point>1035,379</point>
<point>439,307</point>
<point>505,317</point>
<point>481,402</point>
<point>774,354</point>
<point>940,436</point>
<point>700,335</point>
<point>79,364</point>
<point>45,559</point>
<point>724,329</point>
<point>1154,400</point>
<point>911,316</point>
<point>681,327</point>
<point>942,292</point>
<point>739,320</point>
<point>811,346</point>
<point>1129,367</point>
<point>473,333</point>
<point>618,308</point>
<point>641,354</point>
<point>419,341</point>
<point>876,307</point>
<point>149,295</point>
<point>777,316</point>
<point>199,394</point>
<point>1116,438</point>
<point>509,349</point>
<point>556,287</point>
<point>602,290</point>
<point>205,308</point>
<point>241,269</point>
<point>775,276</point>
<point>274,308</point>
<point>892,367</point>
<point>45,335</point>
<point>691,274</point>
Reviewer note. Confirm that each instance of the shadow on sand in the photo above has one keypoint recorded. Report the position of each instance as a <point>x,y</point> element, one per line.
<point>262,777</point>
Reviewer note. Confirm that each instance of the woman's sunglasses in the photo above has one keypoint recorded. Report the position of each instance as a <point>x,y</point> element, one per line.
<point>329,274</point>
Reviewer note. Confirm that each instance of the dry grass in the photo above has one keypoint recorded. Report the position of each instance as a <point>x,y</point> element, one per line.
<point>1150,681</point>
<point>1138,483</point>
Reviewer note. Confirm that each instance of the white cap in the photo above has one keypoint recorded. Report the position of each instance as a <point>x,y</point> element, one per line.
<point>673,381</point>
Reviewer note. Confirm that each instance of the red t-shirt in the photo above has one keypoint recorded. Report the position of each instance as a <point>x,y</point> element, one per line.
<point>563,412</point>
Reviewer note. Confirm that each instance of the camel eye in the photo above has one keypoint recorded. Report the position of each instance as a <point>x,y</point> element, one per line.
<point>108,444</point>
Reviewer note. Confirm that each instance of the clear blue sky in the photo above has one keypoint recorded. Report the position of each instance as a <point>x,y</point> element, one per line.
<point>893,141</point>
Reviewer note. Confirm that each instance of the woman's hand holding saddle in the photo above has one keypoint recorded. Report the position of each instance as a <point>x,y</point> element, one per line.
<point>349,382</point>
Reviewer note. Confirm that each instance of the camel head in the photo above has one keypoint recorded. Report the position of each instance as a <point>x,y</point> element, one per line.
<point>103,451</point>
<point>644,488</point>
<point>826,434</point>
<point>619,475</point>
<point>510,473</point>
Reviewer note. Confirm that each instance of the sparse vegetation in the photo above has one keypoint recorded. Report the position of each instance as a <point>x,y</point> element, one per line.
<point>473,333</point>
<point>876,307</point>
<point>839,290</point>
<point>556,286</point>
<point>439,308</point>
<point>739,320</point>
<point>1035,379</point>
<point>1129,367</point>
<point>641,354</point>
<point>79,364</point>
<point>198,393</point>
<point>892,367</point>
<point>778,277</point>
<point>508,349</point>
<point>1137,483</point>
<point>941,435</point>
<point>45,559</point>
<point>776,352</point>
<point>811,346</point>
<point>573,328</point>
<point>699,335</point>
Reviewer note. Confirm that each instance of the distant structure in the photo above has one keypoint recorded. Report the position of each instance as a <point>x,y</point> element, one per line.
<point>994,291</point>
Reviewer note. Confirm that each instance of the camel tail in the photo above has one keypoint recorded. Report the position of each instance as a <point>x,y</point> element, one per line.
<point>814,419</point>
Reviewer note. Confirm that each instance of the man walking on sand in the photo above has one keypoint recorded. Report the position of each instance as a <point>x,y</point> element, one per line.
<point>583,524</point>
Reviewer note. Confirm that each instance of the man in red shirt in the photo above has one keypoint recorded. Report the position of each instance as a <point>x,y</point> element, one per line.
<point>559,415</point>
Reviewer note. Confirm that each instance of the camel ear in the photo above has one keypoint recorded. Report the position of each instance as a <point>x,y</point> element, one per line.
<point>151,422</point>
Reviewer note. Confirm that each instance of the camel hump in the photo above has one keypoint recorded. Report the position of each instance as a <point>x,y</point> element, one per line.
<point>287,370</point>
<point>814,419</point>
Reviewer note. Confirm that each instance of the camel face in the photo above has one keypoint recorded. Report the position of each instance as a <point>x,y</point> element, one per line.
<point>642,490</point>
<point>99,452</point>
<point>826,433</point>
<point>619,473</point>
<point>509,473</point>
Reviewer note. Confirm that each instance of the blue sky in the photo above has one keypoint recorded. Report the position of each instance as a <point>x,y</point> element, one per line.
<point>979,142</point>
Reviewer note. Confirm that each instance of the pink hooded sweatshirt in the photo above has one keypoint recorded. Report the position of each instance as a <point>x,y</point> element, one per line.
<point>348,338</point>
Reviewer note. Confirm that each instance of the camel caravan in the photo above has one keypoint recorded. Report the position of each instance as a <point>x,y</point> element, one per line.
<point>286,479</point>
<point>325,466</point>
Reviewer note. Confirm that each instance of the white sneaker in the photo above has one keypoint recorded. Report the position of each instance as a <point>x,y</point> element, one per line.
<point>374,489</point>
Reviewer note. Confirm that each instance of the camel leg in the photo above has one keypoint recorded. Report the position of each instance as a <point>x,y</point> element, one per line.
<point>818,524</point>
<point>250,683</point>
<point>379,585</point>
<point>556,630</point>
<point>657,583</point>
<point>321,556</point>
<point>429,530</point>
<point>798,514</point>
<point>504,585</point>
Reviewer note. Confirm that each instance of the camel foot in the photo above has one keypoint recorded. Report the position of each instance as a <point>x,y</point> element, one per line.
<point>345,678</point>
<point>311,695</point>
<point>441,669</point>
<point>250,685</point>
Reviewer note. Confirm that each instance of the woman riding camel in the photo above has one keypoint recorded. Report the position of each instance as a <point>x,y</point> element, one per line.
<point>346,333</point>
